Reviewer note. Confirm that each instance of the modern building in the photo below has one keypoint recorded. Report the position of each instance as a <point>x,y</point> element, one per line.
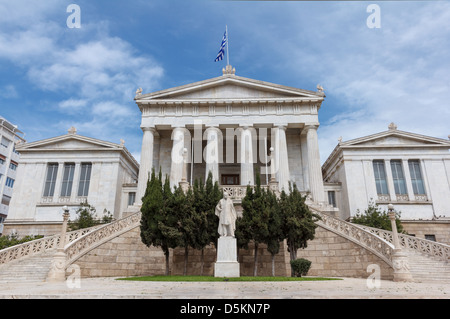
<point>10,135</point>
<point>68,170</point>
<point>408,170</point>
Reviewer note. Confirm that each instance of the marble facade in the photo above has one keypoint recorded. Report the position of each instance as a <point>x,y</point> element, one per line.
<point>228,126</point>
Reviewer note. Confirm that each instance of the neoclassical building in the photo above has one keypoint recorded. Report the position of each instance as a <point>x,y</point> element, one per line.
<point>235,128</point>
<point>409,170</point>
<point>67,170</point>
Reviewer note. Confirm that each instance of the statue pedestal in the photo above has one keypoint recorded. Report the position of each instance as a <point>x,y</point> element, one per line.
<point>226,264</point>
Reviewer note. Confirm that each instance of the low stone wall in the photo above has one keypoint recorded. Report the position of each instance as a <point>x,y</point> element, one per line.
<point>330,254</point>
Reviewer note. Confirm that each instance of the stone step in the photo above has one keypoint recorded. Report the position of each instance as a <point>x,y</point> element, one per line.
<point>33,268</point>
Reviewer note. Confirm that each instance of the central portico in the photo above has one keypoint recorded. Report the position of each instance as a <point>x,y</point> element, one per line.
<point>233,127</point>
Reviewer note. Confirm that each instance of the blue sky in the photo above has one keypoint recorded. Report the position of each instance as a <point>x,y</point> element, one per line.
<point>53,77</point>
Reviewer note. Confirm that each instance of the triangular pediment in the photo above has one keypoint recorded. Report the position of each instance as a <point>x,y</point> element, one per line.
<point>230,87</point>
<point>68,142</point>
<point>395,138</point>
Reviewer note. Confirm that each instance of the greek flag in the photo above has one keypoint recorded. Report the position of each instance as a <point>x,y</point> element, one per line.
<point>222,48</point>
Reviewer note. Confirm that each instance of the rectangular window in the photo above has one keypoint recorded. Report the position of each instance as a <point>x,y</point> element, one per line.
<point>49,188</point>
<point>416,177</point>
<point>230,179</point>
<point>13,166</point>
<point>85,178</point>
<point>430,237</point>
<point>5,142</point>
<point>6,200</point>
<point>66,187</point>
<point>9,182</point>
<point>398,177</point>
<point>131,198</point>
<point>380,177</point>
<point>332,198</point>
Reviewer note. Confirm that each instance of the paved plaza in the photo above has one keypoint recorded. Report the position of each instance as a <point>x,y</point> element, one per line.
<point>109,288</point>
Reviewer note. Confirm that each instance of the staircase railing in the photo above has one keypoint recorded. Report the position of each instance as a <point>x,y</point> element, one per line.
<point>434,249</point>
<point>41,245</point>
<point>369,240</point>
<point>77,248</point>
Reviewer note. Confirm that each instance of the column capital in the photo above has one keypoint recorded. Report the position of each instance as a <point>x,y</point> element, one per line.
<point>308,127</point>
<point>282,126</point>
<point>212,129</point>
<point>150,129</point>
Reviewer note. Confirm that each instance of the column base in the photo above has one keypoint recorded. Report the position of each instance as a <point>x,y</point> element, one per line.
<point>57,272</point>
<point>401,266</point>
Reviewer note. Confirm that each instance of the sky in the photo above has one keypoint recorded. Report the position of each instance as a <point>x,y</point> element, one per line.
<point>53,76</point>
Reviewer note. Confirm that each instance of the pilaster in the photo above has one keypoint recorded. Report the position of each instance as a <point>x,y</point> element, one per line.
<point>58,182</point>
<point>390,180</point>
<point>76,182</point>
<point>408,182</point>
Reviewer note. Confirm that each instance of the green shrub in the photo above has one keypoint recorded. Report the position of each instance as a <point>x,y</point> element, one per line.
<point>300,267</point>
<point>13,239</point>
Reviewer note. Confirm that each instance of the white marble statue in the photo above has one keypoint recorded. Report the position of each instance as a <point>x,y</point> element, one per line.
<point>227,216</point>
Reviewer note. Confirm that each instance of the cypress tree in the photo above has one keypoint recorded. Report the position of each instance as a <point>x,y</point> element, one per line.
<point>206,196</point>
<point>255,219</point>
<point>275,226</point>
<point>183,208</point>
<point>298,221</point>
<point>158,225</point>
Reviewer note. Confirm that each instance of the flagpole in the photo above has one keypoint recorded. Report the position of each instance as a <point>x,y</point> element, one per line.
<point>228,55</point>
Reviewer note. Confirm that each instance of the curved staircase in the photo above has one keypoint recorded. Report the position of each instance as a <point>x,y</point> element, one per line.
<point>32,260</point>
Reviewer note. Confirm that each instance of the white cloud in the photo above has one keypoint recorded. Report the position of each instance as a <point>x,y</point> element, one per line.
<point>8,91</point>
<point>92,74</point>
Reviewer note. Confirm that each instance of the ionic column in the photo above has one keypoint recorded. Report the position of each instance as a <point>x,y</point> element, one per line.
<point>281,158</point>
<point>314,168</point>
<point>146,162</point>
<point>247,177</point>
<point>212,135</point>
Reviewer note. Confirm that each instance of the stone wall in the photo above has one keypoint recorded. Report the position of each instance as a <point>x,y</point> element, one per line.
<point>420,228</point>
<point>123,256</point>
<point>246,260</point>
<point>333,255</point>
<point>330,254</point>
<point>33,228</point>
